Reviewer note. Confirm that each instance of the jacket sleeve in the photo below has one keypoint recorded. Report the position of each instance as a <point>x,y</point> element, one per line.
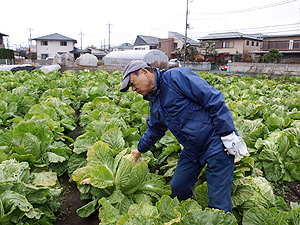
<point>212,100</point>
<point>156,129</point>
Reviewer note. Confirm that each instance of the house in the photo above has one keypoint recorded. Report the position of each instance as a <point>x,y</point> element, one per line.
<point>234,42</point>
<point>50,45</point>
<point>1,40</point>
<point>78,52</point>
<point>143,42</point>
<point>288,45</point>
<point>98,53</point>
<point>173,42</point>
<point>123,47</point>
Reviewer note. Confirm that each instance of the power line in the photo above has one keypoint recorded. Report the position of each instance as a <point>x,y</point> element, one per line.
<point>248,9</point>
<point>257,29</point>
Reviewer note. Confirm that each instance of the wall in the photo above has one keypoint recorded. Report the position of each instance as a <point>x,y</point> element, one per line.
<point>52,48</point>
<point>141,47</point>
<point>265,68</point>
<point>203,66</point>
<point>166,46</point>
<point>240,45</point>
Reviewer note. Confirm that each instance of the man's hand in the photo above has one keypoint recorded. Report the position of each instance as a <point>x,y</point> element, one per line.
<point>234,145</point>
<point>137,154</point>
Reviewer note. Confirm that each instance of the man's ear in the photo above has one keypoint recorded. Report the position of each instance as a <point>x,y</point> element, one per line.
<point>143,70</point>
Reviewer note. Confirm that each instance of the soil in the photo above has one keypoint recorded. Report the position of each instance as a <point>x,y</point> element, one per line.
<point>289,191</point>
<point>70,198</point>
<point>70,203</point>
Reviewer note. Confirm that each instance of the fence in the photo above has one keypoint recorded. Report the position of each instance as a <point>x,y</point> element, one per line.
<point>7,61</point>
<point>264,68</point>
<point>248,68</point>
<point>202,66</point>
<point>26,61</point>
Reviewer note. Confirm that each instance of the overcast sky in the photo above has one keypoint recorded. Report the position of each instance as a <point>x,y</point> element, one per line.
<point>129,18</point>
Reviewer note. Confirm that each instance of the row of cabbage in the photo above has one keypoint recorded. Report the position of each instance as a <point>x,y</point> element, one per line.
<point>258,120</point>
<point>38,113</point>
<point>37,117</point>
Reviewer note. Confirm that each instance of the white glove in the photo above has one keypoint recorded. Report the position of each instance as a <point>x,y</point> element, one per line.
<point>234,145</point>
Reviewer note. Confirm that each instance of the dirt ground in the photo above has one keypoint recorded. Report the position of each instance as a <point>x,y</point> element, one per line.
<point>289,191</point>
<point>70,199</point>
<point>70,203</point>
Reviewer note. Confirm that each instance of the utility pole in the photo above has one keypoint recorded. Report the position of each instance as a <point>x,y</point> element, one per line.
<point>186,27</point>
<point>30,40</point>
<point>109,37</point>
<point>81,34</point>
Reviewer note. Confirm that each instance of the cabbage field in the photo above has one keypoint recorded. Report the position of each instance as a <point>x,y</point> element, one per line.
<point>40,113</point>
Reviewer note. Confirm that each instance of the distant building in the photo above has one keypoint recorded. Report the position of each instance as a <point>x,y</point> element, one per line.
<point>50,45</point>
<point>234,42</point>
<point>288,45</point>
<point>123,47</point>
<point>1,40</point>
<point>175,41</point>
<point>143,42</point>
<point>98,53</point>
<point>78,52</point>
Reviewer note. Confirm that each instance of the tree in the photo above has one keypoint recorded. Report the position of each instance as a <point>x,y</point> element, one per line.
<point>237,57</point>
<point>190,54</point>
<point>208,48</point>
<point>222,58</point>
<point>272,57</point>
<point>246,57</point>
<point>6,53</point>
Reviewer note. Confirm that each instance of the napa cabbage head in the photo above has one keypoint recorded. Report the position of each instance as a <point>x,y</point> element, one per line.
<point>130,175</point>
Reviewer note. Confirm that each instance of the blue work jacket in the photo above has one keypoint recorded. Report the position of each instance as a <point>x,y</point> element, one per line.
<point>193,110</point>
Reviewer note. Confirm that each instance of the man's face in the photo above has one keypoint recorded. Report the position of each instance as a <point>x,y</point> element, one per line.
<point>142,81</point>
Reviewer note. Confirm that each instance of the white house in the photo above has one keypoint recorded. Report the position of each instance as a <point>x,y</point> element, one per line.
<point>143,42</point>
<point>50,45</point>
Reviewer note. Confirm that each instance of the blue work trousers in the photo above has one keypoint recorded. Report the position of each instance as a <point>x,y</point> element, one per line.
<point>219,174</point>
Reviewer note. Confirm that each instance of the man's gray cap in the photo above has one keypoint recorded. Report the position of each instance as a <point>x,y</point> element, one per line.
<point>131,67</point>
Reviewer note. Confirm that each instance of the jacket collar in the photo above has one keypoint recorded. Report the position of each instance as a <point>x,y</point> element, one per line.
<point>152,95</point>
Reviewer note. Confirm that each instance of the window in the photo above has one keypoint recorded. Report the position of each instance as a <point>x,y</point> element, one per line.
<point>291,43</point>
<point>63,43</point>
<point>296,44</point>
<point>44,56</point>
<point>257,43</point>
<point>227,44</point>
<point>252,44</point>
<point>44,42</point>
<point>247,43</point>
<point>175,45</point>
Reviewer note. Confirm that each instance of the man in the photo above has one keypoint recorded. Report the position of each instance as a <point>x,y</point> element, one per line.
<point>198,117</point>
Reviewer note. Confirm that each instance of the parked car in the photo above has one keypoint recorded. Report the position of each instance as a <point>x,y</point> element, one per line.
<point>174,63</point>
<point>224,68</point>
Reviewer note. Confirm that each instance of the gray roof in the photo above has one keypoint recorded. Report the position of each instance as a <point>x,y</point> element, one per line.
<point>181,38</point>
<point>55,37</point>
<point>124,46</point>
<point>279,35</point>
<point>229,35</point>
<point>146,40</point>
<point>78,50</point>
<point>267,51</point>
